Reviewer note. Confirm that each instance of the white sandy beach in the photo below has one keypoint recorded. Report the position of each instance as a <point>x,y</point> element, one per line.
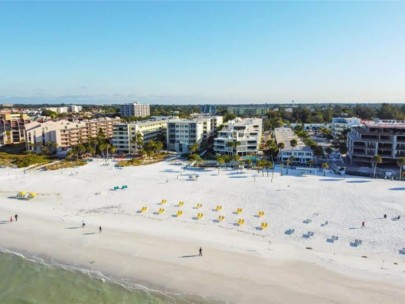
<point>241,264</point>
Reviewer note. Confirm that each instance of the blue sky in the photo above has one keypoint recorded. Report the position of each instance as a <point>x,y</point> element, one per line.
<point>202,52</point>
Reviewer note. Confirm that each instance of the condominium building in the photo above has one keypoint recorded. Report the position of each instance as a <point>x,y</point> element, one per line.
<point>58,110</point>
<point>249,111</point>
<point>209,109</point>
<point>183,133</point>
<point>339,124</point>
<point>12,128</point>
<point>239,136</point>
<point>75,109</point>
<point>310,127</point>
<point>135,109</point>
<point>298,154</point>
<point>385,138</point>
<point>66,134</point>
<point>124,133</point>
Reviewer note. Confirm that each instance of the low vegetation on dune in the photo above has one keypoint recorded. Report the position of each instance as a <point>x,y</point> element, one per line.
<point>65,164</point>
<point>23,160</point>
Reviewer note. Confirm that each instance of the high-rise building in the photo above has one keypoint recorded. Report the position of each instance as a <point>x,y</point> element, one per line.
<point>209,109</point>
<point>248,111</point>
<point>66,134</point>
<point>135,109</point>
<point>75,109</point>
<point>339,124</point>
<point>385,138</point>
<point>12,128</point>
<point>183,133</point>
<point>124,133</point>
<point>239,137</point>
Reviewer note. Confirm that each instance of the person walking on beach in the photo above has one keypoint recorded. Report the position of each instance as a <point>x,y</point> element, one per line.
<point>11,219</point>
<point>200,251</point>
<point>385,216</point>
<point>83,224</point>
<point>100,230</point>
<point>16,217</point>
<point>363,224</point>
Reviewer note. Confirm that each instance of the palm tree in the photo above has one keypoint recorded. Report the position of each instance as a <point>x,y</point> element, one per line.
<point>220,161</point>
<point>234,144</point>
<point>293,143</point>
<point>268,165</point>
<point>401,164</point>
<point>194,148</point>
<point>376,160</point>
<point>281,146</point>
<point>137,140</point>
<point>289,161</point>
<point>260,165</point>
<point>325,166</point>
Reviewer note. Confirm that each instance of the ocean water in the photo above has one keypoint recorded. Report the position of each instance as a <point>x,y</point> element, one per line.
<point>29,281</point>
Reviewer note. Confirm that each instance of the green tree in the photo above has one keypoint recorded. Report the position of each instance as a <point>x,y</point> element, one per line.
<point>293,143</point>
<point>234,144</point>
<point>376,160</point>
<point>194,148</point>
<point>260,166</point>
<point>268,165</point>
<point>325,166</point>
<point>281,146</point>
<point>137,140</point>
<point>401,164</point>
<point>221,162</point>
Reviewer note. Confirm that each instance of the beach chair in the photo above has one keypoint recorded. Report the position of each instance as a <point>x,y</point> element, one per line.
<point>21,195</point>
<point>163,202</point>
<point>240,222</point>
<point>239,211</point>
<point>218,208</point>
<point>260,214</point>
<point>180,204</point>
<point>198,206</point>
<point>200,215</point>
<point>161,211</point>
<point>116,188</point>
<point>31,195</point>
<point>263,225</point>
<point>143,209</point>
<point>221,218</point>
<point>124,187</point>
<point>179,213</point>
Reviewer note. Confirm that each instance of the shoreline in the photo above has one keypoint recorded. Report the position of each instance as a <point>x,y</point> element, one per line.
<point>259,280</point>
<point>240,264</point>
<point>98,275</point>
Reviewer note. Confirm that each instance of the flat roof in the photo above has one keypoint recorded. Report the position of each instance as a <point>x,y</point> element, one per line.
<point>285,135</point>
<point>385,123</point>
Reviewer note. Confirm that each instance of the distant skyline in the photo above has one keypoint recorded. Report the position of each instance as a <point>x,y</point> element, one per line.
<point>202,52</point>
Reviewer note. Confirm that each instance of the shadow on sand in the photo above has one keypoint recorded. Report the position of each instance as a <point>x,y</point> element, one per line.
<point>329,179</point>
<point>398,189</point>
<point>189,256</point>
<point>358,181</point>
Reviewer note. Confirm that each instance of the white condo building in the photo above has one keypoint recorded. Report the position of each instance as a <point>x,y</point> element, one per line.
<point>301,153</point>
<point>183,133</point>
<point>339,124</point>
<point>244,133</point>
<point>124,133</point>
<point>135,109</point>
